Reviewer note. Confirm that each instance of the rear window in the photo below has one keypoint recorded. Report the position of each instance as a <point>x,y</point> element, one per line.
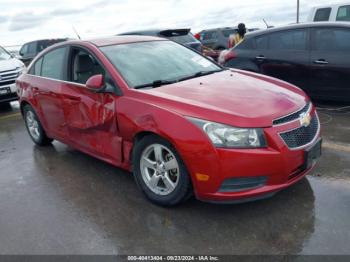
<point>183,39</point>
<point>322,14</point>
<point>209,35</point>
<point>343,13</point>
<point>228,32</point>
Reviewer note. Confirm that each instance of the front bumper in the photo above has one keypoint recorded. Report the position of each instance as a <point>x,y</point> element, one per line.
<point>280,165</point>
<point>10,96</point>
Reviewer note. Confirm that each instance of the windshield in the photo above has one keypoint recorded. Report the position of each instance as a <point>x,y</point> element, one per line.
<point>4,55</point>
<point>147,62</point>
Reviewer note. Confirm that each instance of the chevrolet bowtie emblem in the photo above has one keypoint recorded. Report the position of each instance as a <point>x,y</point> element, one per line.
<point>305,119</point>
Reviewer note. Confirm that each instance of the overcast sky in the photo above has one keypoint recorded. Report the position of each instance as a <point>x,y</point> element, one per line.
<point>22,21</point>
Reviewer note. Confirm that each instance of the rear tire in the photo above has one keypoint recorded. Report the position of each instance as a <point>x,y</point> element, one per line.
<point>160,172</point>
<point>34,127</point>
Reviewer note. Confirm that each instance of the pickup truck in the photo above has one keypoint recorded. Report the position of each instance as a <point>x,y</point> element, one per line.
<point>10,69</point>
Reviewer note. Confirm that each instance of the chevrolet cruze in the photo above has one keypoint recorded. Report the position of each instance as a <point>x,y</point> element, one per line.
<point>181,123</point>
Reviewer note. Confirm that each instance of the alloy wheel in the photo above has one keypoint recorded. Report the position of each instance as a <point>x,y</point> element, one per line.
<point>159,169</point>
<point>33,125</point>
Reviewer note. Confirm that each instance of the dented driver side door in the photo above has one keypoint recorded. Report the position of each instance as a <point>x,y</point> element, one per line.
<point>90,117</point>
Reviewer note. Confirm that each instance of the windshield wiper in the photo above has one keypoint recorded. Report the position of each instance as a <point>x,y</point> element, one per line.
<point>158,83</point>
<point>198,74</point>
<point>154,84</point>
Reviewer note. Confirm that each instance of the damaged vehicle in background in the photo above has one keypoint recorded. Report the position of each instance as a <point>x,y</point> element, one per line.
<point>10,69</point>
<point>182,124</point>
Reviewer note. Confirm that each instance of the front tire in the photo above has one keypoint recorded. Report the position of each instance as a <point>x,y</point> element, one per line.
<point>34,127</point>
<point>160,172</point>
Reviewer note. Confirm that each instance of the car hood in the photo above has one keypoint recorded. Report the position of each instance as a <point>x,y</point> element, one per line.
<point>10,64</point>
<point>237,98</point>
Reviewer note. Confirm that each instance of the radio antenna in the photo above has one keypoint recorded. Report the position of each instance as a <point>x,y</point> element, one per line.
<point>76,32</point>
<point>267,26</point>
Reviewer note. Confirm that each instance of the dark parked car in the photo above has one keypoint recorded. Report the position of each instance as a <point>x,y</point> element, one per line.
<point>181,36</point>
<point>30,50</point>
<point>315,57</point>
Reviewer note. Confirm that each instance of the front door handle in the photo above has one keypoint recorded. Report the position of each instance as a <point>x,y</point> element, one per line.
<point>321,62</point>
<point>260,57</point>
<point>72,98</point>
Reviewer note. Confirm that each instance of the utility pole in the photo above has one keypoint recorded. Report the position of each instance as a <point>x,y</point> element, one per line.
<point>298,10</point>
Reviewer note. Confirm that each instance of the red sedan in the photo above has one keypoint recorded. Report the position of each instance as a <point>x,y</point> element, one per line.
<point>181,123</point>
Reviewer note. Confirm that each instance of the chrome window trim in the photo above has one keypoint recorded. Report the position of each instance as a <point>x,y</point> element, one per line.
<point>308,144</point>
<point>308,111</point>
<point>58,80</point>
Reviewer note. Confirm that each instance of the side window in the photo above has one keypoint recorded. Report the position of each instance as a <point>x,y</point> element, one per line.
<point>42,45</point>
<point>32,48</point>
<point>261,42</point>
<point>288,40</point>
<point>343,13</point>
<point>53,64</point>
<point>246,44</point>
<point>36,68</point>
<point>336,40</point>
<point>24,50</point>
<point>84,65</point>
<point>322,14</point>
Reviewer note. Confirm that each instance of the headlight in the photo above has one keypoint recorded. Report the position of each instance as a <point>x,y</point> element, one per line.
<point>231,137</point>
<point>20,68</point>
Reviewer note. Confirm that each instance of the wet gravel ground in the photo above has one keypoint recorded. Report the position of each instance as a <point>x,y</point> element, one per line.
<point>56,200</point>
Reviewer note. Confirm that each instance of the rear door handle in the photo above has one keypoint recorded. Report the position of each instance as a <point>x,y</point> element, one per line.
<point>260,57</point>
<point>321,62</point>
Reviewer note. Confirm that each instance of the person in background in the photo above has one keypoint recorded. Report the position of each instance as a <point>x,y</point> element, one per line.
<point>235,39</point>
<point>198,36</point>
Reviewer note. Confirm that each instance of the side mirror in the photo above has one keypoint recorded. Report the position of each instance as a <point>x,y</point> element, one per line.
<point>95,82</point>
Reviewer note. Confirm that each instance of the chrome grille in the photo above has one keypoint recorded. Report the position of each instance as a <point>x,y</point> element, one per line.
<point>293,116</point>
<point>301,136</point>
<point>8,76</point>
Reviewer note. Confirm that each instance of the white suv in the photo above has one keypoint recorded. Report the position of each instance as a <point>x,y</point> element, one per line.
<point>10,69</point>
<point>332,13</point>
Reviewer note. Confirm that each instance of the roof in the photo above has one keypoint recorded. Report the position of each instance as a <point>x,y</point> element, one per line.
<point>116,40</point>
<point>220,28</point>
<point>300,25</point>
<point>331,5</point>
<point>156,32</point>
